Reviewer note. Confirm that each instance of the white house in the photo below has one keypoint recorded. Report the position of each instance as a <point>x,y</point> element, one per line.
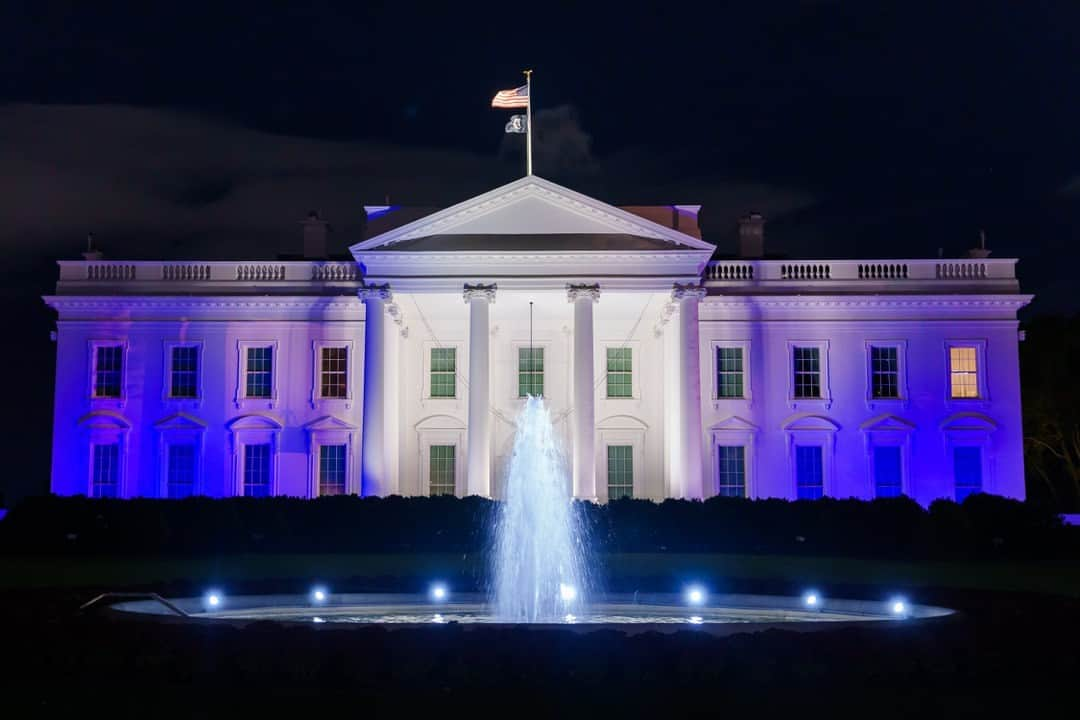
<point>668,374</point>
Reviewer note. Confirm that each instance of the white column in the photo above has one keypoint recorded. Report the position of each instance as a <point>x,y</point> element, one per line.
<point>583,297</point>
<point>690,431</point>
<point>478,480</point>
<point>373,472</point>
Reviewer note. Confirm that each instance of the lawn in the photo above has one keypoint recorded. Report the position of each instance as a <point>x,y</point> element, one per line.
<point>655,571</point>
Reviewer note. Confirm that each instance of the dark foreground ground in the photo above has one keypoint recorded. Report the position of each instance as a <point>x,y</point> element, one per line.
<point>1008,651</point>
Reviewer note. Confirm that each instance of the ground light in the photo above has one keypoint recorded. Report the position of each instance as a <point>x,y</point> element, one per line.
<point>695,595</point>
<point>439,592</point>
<point>898,607</point>
<point>213,599</point>
<point>567,592</point>
<point>812,599</point>
<point>319,594</point>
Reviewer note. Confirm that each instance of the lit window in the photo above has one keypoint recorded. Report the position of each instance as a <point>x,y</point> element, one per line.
<point>884,372</point>
<point>620,471</point>
<point>258,381</point>
<point>443,372</point>
<point>963,372</point>
<point>180,470</point>
<point>105,471</point>
<point>731,470</point>
<point>333,364</point>
<point>620,373</point>
<point>809,472</point>
<point>441,469</point>
<point>729,372</point>
<point>184,372</point>
<point>967,471</point>
<point>807,364</point>
<point>530,372</point>
<point>257,470</point>
<point>108,371</point>
<point>887,472</point>
<point>331,470</point>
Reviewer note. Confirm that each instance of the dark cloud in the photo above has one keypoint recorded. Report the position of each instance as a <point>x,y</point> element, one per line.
<point>153,182</point>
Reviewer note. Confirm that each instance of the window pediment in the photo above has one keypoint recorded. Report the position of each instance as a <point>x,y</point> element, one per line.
<point>734,423</point>
<point>254,422</point>
<point>440,422</point>
<point>808,422</point>
<point>328,422</point>
<point>621,422</point>
<point>180,421</point>
<point>887,423</point>
<point>104,420</point>
<point>968,422</point>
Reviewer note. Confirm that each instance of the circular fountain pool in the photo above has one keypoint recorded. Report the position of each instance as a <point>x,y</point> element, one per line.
<point>723,613</point>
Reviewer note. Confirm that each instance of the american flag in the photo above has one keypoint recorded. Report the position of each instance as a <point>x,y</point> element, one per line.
<point>511,99</point>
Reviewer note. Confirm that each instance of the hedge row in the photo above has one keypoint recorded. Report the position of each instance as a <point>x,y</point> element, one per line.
<point>984,526</point>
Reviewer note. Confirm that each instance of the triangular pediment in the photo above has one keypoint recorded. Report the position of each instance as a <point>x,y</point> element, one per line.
<point>180,421</point>
<point>734,423</point>
<point>968,422</point>
<point>531,214</point>
<point>887,423</point>
<point>329,422</point>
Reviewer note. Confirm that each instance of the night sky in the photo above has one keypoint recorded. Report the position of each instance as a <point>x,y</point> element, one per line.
<point>866,129</point>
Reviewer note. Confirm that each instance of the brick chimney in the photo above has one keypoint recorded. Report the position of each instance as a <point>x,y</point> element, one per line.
<point>752,236</point>
<point>316,231</point>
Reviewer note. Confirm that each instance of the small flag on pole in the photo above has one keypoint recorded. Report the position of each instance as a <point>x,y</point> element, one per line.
<point>511,99</point>
<point>517,124</point>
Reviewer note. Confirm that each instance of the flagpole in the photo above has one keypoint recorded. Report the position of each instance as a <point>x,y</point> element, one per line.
<point>528,122</point>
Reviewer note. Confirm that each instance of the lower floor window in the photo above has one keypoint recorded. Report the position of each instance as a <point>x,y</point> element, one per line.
<point>731,470</point>
<point>105,473</point>
<point>967,471</point>
<point>809,472</point>
<point>180,470</point>
<point>887,472</point>
<point>331,470</point>
<point>620,471</point>
<point>441,469</point>
<point>257,470</point>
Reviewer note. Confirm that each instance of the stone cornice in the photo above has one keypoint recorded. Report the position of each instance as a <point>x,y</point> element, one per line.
<point>1011,302</point>
<point>218,308</point>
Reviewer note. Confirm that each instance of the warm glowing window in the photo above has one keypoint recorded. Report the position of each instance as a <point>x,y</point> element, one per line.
<point>620,373</point>
<point>620,471</point>
<point>443,372</point>
<point>731,470</point>
<point>530,372</point>
<point>441,469</point>
<point>963,372</point>
<point>332,470</point>
<point>333,365</point>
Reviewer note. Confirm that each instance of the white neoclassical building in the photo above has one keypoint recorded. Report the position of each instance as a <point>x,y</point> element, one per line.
<point>668,373</point>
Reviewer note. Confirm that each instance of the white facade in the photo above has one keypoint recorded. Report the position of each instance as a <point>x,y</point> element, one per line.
<point>427,332</point>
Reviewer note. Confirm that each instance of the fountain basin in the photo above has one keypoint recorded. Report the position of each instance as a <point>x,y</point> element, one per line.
<point>721,614</point>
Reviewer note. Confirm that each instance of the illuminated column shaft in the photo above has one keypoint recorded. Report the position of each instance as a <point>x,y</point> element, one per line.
<point>478,480</point>
<point>373,472</point>
<point>584,297</point>
<point>688,297</point>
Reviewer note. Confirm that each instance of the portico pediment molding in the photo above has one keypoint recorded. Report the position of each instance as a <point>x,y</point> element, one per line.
<point>526,205</point>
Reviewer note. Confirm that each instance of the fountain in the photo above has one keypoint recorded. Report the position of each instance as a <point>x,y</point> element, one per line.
<point>540,568</point>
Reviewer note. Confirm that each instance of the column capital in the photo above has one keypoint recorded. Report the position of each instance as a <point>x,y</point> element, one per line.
<point>689,291</point>
<point>578,292</point>
<point>375,292</point>
<point>480,292</point>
